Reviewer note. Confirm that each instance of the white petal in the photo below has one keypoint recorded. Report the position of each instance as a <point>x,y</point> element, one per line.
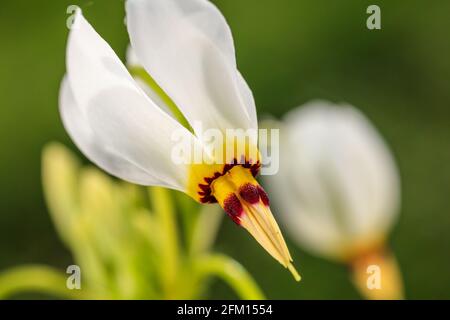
<point>153,93</point>
<point>249,101</point>
<point>111,119</point>
<point>131,58</point>
<point>78,127</point>
<point>187,47</point>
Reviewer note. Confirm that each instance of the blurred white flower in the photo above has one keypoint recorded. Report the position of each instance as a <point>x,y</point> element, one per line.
<point>338,188</point>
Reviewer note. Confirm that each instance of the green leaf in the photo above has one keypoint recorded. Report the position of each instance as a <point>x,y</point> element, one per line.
<point>232,272</point>
<point>43,279</point>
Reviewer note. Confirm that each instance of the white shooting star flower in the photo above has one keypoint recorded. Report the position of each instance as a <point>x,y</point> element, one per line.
<point>338,190</point>
<point>187,48</point>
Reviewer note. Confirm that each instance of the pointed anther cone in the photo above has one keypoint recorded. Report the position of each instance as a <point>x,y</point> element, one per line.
<point>247,204</point>
<point>377,276</point>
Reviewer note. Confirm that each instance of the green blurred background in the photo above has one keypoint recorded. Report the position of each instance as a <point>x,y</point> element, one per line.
<point>290,51</point>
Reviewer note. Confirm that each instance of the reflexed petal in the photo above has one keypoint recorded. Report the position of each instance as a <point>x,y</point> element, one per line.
<point>249,101</point>
<point>131,59</point>
<point>78,127</point>
<point>187,47</point>
<point>133,63</point>
<point>111,119</point>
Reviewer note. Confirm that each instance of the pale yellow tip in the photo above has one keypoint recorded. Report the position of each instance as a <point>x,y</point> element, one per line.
<point>294,272</point>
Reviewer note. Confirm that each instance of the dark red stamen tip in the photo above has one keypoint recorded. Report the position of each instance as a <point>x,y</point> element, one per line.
<point>249,193</point>
<point>233,208</point>
<point>263,195</point>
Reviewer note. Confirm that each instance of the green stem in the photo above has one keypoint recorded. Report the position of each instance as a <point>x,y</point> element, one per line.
<point>205,228</point>
<point>232,273</point>
<point>165,214</point>
<point>189,212</point>
<point>37,279</point>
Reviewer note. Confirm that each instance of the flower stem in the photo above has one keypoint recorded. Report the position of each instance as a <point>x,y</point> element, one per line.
<point>376,275</point>
<point>165,214</point>
<point>232,273</point>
